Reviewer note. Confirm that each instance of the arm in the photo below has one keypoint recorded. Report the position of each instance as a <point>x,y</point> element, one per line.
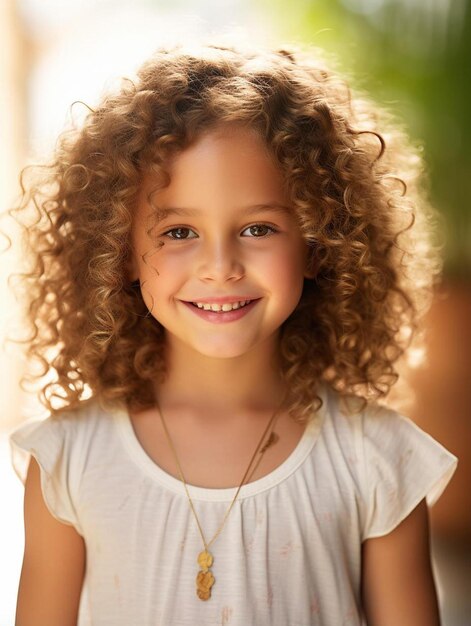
<point>397,578</point>
<point>53,565</point>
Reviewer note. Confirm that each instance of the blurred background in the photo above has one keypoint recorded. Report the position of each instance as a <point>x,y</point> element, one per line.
<point>412,56</point>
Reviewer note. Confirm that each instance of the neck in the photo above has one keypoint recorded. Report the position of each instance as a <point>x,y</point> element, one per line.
<point>250,382</point>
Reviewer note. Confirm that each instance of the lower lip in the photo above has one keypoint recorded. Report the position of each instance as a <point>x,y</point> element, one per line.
<point>223,316</point>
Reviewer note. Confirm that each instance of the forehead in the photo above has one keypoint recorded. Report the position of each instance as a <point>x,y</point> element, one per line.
<point>222,165</point>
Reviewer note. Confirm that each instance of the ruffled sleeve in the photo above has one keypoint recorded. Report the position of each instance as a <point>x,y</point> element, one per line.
<point>46,441</point>
<point>402,464</point>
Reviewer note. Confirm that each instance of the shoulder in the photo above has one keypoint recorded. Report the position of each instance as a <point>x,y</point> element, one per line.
<point>341,417</point>
<point>383,442</point>
<point>374,426</point>
<point>86,427</point>
<point>86,417</point>
<point>53,439</point>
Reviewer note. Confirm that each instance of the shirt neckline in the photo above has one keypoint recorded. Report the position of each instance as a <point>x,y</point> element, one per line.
<point>286,468</point>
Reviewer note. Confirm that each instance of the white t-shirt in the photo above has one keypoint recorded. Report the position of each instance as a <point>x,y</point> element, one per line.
<point>290,552</point>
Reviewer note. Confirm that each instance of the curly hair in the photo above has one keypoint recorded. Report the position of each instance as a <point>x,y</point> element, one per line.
<point>352,177</point>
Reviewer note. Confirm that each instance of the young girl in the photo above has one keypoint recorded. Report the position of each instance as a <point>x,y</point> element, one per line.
<point>229,257</point>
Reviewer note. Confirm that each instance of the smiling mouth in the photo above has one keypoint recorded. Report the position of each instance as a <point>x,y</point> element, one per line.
<point>221,308</point>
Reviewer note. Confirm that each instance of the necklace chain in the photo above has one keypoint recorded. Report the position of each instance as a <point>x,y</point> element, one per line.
<point>182,477</point>
<point>205,578</point>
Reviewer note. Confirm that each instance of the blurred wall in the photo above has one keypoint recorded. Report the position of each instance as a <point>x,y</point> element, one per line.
<point>14,60</point>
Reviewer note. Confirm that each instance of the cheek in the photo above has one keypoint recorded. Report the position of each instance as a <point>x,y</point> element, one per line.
<point>162,274</point>
<point>287,268</point>
<point>154,261</point>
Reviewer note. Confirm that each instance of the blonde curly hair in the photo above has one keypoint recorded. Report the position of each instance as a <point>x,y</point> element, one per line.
<point>352,178</point>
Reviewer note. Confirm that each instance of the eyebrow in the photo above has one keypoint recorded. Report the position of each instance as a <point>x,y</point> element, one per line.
<point>275,207</point>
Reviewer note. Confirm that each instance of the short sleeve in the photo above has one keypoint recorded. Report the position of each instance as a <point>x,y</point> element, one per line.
<point>45,440</point>
<point>402,465</point>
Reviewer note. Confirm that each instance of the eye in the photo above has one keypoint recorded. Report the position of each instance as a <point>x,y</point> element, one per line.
<point>179,233</point>
<point>260,230</point>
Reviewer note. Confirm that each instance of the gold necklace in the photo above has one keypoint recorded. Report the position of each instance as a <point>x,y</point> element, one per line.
<point>205,578</point>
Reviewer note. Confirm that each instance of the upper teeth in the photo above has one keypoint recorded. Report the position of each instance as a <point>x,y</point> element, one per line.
<point>221,307</point>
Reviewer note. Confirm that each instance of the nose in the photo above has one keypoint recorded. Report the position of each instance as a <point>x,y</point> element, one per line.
<point>220,260</point>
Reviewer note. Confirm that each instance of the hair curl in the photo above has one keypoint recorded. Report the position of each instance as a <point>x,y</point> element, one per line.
<point>354,189</point>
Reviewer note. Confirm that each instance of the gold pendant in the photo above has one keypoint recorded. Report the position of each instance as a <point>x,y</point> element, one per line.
<point>204,578</point>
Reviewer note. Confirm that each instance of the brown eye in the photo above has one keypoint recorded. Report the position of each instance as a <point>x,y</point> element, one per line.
<point>260,230</point>
<point>181,232</point>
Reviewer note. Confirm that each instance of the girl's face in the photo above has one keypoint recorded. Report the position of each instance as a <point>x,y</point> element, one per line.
<point>228,238</point>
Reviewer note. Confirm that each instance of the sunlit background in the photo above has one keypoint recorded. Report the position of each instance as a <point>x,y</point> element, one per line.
<point>414,56</point>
